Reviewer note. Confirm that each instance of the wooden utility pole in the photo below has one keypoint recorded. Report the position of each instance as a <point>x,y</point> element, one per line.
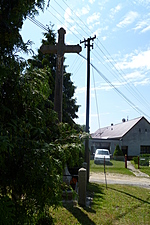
<point>87,153</point>
<point>60,48</point>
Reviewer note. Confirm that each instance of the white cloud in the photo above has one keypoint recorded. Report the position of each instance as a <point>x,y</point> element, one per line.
<point>80,90</point>
<point>98,32</point>
<point>91,1</point>
<point>85,10</point>
<point>104,38</point>
<point>146,29</point>
<point>74,29</point>
<point>128,19</point>
<point>140,25</point>
<point>143,25</point>
<point>93,18</point>
<point>136,61</point>
<point>115,10</point>
<point>144,2</point>
<point>144,82</point>
<point>67,15</point>
<point>134,76</point>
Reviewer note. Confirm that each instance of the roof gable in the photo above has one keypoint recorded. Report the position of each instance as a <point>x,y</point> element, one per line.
<point>116,131</point>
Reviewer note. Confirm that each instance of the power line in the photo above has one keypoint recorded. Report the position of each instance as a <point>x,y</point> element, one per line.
<point>128,87</point>
<point>116,89</point>
<point>132,89</point>
<point>60,20</point>
<point>96,97</point>
<point>136,92</point>
<point>36,22</point>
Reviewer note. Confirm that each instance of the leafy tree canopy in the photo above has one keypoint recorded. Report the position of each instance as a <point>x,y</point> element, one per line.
<point>12,15</point>
<point>33,147</point>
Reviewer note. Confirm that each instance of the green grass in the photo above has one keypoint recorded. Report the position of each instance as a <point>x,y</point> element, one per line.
<point>117,204</point>
<point>114,167</point>
<point>144,169</point>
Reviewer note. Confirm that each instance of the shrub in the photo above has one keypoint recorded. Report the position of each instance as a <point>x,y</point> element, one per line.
<point>7,210</point>
<point>144,159</point>
<point>135,159</point>
<point>45,219</point>
<point>118,151</point>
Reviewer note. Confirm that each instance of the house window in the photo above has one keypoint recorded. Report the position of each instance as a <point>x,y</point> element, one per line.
<point>145,149</point>
<point>140,130</point>
<point>145,130</point>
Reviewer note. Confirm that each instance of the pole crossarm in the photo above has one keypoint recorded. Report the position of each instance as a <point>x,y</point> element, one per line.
<point>87,42</point>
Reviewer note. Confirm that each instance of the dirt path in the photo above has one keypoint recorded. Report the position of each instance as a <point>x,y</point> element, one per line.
<point>120,179</point>
<point>140,179</point>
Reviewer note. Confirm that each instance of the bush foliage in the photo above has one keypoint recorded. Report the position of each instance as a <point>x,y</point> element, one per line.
<point>34,147</point>
<point>118,151</point>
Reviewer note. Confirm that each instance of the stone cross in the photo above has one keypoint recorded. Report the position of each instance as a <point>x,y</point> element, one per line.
<point>60,48</point>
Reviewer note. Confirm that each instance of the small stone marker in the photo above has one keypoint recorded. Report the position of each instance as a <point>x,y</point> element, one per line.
<point>82,186</point>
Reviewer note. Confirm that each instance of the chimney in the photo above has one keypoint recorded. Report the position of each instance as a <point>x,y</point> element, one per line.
<point>123,120</point>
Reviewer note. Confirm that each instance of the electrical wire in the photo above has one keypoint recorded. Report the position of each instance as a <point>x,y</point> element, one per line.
<point>123,83</point>
<point>116,89</point>
<point>96,98</point>
<point>60,20</point>
<point>112,60</point>
<point>127,84</point>
<point>37,23</point>
<point>130,87</point>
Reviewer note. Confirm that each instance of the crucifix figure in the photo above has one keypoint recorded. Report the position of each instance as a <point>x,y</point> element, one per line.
<point>60,48</point>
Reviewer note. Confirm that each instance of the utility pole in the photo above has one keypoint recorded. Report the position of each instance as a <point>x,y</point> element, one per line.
<point>60,48</point>
<point>87,153</point>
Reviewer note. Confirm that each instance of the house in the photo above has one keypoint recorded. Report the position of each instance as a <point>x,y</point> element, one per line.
<point>133,137</point>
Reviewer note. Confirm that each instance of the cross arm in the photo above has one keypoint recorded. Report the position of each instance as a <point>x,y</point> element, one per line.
<point>72,48</point>
<point>48,49</point>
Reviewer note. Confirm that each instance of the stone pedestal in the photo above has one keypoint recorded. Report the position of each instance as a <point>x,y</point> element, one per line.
<point>82,186</point>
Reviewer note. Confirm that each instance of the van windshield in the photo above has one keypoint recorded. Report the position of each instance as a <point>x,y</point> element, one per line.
<point>102,152</point>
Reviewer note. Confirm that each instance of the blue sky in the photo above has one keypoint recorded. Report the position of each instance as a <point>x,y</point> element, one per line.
<point>120,70</point>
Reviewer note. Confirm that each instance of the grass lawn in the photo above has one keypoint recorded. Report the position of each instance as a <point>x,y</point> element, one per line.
<point>117,204</point>
<point>114,167</point>
<point>144,169</point>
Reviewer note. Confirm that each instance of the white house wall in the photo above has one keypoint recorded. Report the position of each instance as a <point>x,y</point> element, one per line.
<point>137,136</point>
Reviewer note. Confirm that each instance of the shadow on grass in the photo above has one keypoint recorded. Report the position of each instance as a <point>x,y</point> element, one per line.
<point>128,210</point>
<point>128,194</point>
<point>93,191</point>
<point>80,215</point>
